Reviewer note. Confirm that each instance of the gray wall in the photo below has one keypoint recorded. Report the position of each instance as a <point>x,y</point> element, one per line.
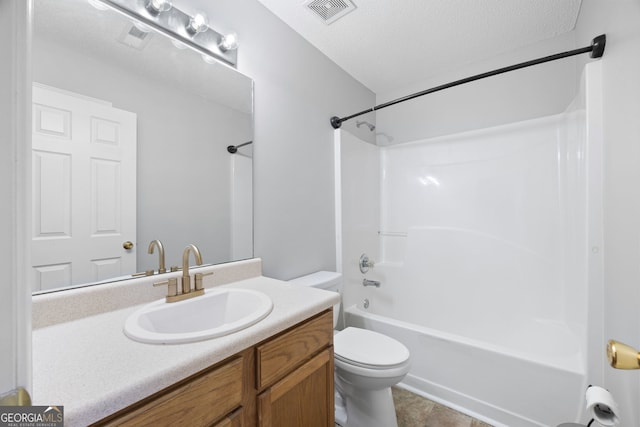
<point>297,90</point>
<point>183,166</point>
<point>620,20</point>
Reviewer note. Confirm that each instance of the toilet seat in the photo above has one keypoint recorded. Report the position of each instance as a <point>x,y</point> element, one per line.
<point>369,349</point>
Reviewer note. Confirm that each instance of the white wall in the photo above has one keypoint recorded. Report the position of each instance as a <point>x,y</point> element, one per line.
<point>297,90</point>
<point>519,95</point>
<point>620,20</point>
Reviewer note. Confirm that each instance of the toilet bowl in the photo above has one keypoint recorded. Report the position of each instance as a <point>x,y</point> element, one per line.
<point>367,364</point>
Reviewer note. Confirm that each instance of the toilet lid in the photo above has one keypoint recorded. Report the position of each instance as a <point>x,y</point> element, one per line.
<point>365,347</point>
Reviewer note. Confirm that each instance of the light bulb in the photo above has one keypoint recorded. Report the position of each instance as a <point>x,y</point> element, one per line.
<point>158,6</point>
<point>228,42</point>
<point>197,24</point>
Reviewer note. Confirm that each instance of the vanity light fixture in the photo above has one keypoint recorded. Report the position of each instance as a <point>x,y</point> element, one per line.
<point>156,7</point>
<point>198,24</point>
<point>182,28</point>
<point>228,42</point>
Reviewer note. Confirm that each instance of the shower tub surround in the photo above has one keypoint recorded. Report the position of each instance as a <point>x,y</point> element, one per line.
<point>489,263</point>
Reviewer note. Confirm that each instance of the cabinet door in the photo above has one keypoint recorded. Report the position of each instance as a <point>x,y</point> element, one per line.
<point>302,398</point>
<point>233,420</point>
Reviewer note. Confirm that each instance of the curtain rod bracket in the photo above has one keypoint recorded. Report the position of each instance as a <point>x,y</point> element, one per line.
<point>336,122</point>
<point>597,46</point>
<point>234,148</point>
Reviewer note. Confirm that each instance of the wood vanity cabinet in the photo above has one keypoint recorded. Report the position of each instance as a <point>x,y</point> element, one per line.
<point>295,376</point>
<point>284,381</point>
<point>212,395</point>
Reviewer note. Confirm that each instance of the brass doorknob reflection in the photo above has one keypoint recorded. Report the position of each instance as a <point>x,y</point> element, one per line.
<point>127,245</point>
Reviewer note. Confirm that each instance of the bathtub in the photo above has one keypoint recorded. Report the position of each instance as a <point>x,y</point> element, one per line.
<point>502,384</point>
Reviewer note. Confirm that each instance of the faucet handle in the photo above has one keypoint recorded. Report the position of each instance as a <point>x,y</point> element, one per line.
<point>199,279</point>
<point>365,263</point>
<point>172,286</point>
<point>144,273</point>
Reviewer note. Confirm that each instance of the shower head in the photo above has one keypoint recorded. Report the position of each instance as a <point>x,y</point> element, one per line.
<point>369,125</point>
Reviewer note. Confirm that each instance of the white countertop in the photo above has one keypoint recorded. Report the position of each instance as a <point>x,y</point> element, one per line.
<point>91,368</point>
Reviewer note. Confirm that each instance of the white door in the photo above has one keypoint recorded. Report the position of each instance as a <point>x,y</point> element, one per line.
<point>83,189</point>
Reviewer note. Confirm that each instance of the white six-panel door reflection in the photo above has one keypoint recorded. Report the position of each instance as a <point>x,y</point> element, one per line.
<point>83,189</point>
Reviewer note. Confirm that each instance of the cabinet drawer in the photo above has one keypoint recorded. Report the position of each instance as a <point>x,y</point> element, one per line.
<point>197,401</point>
<point>284,353</point>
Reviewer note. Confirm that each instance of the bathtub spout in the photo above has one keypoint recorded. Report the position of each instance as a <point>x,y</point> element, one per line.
<point>367,282</point>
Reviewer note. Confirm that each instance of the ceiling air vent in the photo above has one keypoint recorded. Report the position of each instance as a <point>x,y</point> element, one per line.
<point>134,37</point>
<point>330,10</point>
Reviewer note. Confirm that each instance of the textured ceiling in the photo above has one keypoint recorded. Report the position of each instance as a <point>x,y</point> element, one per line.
<point>386,44</point>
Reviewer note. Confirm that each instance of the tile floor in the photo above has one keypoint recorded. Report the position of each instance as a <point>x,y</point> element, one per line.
<point>416,411</point>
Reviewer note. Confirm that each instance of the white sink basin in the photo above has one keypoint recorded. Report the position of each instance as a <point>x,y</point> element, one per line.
<point>220,311</point>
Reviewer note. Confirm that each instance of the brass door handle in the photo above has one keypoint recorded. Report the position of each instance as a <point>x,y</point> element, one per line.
<point>128,245</point>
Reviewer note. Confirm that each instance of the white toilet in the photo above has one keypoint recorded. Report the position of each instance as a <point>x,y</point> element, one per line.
<point>367,364</point>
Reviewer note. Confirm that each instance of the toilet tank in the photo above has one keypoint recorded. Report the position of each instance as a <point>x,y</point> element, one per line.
<point>327,280</point>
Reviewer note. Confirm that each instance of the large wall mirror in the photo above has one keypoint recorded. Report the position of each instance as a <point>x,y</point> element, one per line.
<point>129,145</point>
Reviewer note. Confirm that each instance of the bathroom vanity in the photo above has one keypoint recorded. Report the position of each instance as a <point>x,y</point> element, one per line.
<point>278,372</point>
<point>287,380</point>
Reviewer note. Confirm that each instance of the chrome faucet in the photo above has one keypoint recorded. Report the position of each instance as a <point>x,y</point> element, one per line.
<point>365,263</point>
<point>186,278</point>
<point>158,244</point>
<point>367,282</point>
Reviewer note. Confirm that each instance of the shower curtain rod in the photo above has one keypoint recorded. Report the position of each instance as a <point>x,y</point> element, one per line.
<point>234,148</point>
<point>596,49</point>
